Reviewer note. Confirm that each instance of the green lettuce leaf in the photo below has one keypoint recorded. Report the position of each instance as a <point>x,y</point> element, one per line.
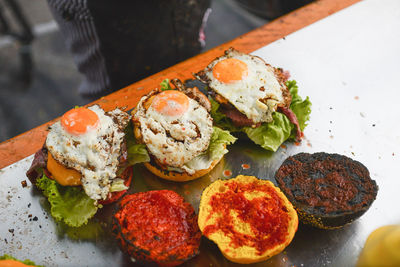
<point>165,85</point>
<point>118,185</point>
<point>68,204</point>
<point>27,262</point>
<point>300,107</point>
<point>137,153</point>
<point>217,148</point>
<point>220,119</point>
<point>219,140</point>
<point>270,135</point>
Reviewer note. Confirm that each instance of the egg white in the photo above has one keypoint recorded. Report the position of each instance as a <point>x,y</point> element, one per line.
<point>94,154</point>
<point>247,94</point>
<point>174,140</point>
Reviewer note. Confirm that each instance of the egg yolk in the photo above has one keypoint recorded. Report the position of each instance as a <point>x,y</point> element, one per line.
<point>230,70</point>
<point>64,176</point>
<point>171,103</point>
<point>78,121</point>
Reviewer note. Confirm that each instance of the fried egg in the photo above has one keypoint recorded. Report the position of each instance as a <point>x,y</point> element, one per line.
<point>89,141</point>
<point>175,127</point>
<point>248,83</point>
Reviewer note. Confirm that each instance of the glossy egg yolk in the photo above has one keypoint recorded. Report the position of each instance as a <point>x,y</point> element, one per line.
<point>171,103</point>
<point>230,70</point>
<point>78,121</point>
<point>64,176</point>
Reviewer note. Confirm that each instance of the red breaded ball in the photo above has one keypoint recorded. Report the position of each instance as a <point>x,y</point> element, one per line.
<point>157,227</point>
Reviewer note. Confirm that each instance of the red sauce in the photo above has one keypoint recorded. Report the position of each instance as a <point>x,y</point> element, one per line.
<point>297,143</point>
<point>159,222</point>
<point>227,173</point>
<point>283,146</point>
<point>245,166</point>
<point>268,217</point>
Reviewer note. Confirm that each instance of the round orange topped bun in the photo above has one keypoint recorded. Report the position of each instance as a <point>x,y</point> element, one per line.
<point>249,219</point>
<point>230,70</point>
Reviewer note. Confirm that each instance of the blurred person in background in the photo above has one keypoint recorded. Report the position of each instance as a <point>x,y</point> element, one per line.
<point>115,43</point>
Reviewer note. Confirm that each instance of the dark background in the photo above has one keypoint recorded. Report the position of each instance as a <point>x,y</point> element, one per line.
<point>27,101</point>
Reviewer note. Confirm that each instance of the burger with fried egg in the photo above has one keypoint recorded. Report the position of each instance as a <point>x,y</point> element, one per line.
<point>250,96</point>
<point>177,131</point>
<point>83,163</point>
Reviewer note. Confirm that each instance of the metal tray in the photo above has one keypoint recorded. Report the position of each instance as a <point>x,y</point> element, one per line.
<point>348,65</point>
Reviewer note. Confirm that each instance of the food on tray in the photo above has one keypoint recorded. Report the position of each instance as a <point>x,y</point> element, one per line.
<point>8,261</point>
<point>176,130</point>
<point>83,163</point>
<point>157,227</point>
<point>251,96</point>
<point>327,190</point>
<point>381,248</point>
<point>249,219</point>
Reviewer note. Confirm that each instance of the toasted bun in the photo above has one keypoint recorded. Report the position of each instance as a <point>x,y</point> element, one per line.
<point>177,176</point>
<point>157,228</point>
<point>339,192</point>
<point>239,216</point>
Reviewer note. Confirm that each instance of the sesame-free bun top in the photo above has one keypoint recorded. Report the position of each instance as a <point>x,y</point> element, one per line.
<point>249,219</point>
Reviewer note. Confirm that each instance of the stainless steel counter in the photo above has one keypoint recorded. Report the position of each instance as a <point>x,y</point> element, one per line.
<point>349,65</point>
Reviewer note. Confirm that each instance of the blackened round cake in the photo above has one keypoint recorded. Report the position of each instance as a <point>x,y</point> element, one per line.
<point>327,190</point>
